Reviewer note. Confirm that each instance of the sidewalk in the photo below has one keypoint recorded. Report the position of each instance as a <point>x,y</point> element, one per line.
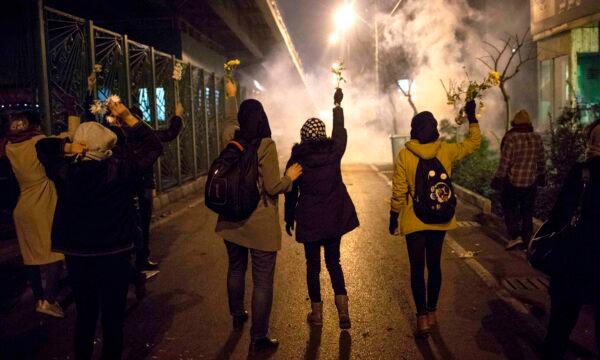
<point>484,236</point>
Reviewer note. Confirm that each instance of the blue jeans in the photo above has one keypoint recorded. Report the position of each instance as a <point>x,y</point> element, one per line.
<point>263,272</point>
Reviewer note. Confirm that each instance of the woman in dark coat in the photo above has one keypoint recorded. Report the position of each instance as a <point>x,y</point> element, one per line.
<point>96,223</point>
<point>322,209</point>
<point>576,274</point>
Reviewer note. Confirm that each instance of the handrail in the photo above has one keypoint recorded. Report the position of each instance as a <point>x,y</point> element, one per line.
<point>62,13</point>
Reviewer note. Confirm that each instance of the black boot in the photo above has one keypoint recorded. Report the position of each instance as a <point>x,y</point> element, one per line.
<point>264,344</point>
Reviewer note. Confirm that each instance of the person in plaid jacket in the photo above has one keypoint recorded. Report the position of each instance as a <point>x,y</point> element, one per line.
<point>521,171</point>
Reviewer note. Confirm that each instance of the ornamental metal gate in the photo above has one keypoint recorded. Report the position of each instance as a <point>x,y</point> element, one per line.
<point>142,77</point>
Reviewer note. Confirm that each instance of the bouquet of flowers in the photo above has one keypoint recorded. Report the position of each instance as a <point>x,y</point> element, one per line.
<point>177,76</point>
<point>458,94</point>
<point>99,108</point>
<point>336,69</point>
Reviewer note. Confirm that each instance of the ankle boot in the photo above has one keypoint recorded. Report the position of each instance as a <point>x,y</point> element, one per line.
<point>341,302</point>
<point>422,327</point>
<point>315,317</point>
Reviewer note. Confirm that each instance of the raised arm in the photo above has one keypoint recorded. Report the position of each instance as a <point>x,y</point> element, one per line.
<point>473,140</point>
<point>231,124</point>
<point>339,133</point>
<point>143,155</point>
<point>175,126</point>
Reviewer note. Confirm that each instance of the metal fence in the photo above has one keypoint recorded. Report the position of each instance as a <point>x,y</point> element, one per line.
<point>142,77</point>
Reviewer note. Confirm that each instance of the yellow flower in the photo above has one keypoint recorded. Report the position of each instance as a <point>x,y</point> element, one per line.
<point>494,78</point>
<point>230,65</point>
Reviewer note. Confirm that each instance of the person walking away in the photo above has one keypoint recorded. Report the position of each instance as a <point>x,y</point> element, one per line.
<point>96,221</point>
<point>260,234</point>
<point>424,238</point>
<point>320,206</point>
<point>34,211</point>
<point>576,271</point>
<point>521,171</point>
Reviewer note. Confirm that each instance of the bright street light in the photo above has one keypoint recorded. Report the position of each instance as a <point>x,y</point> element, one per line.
<point>344,17</point>
<point>334,38</point>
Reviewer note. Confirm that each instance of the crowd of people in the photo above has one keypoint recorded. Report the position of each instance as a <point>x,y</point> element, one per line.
<point>86,198</point>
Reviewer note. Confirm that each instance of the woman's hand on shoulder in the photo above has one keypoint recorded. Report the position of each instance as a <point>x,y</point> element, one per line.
<point>294,171</point>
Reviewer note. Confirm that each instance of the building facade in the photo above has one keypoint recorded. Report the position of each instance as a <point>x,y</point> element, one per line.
<point>567,36</point>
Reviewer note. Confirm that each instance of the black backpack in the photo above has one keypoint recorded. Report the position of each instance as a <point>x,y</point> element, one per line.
<point>434,200</point>
<point>232,188</point>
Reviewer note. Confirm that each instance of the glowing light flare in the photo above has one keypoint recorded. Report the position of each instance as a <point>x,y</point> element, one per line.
<point>334,38</point>
<point>344,17</point>
<point>258,85</point>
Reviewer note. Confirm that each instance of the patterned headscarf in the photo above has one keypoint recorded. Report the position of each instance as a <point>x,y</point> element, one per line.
<point>313,130</point>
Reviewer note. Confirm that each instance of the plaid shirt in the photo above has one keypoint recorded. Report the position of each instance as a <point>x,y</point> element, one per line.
<point>523,158</point>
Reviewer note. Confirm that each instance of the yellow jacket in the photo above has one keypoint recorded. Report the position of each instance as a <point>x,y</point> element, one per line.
<point>406,169</point>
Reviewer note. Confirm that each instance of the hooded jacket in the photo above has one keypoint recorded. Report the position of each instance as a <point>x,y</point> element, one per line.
<point>95,213</point>
<point>406,169</point>
<point>319,201</point>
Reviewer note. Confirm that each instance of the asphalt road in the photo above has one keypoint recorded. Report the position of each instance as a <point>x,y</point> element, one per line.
<point>185,314</point>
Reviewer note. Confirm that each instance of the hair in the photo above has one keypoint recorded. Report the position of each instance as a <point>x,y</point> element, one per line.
<point>32,118</point>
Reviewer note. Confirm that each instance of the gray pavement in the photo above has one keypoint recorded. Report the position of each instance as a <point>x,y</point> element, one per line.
<point>185,315</point>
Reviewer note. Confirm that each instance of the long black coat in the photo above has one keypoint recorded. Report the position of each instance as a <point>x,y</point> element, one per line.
<point>578,260</point>
<point>319,201</point>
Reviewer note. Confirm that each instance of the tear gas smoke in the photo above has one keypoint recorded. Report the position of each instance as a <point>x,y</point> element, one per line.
<point>437,39</point>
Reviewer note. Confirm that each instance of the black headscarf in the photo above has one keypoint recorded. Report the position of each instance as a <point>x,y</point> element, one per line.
<point>424,128</point>
<point>254,124</point>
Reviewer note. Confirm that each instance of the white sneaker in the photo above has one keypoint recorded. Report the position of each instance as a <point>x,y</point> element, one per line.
<point>44,307</point>
<point>514,243</point>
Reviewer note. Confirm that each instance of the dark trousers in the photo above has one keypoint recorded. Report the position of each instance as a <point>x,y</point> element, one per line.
<point>53,272</point>
<point>312,252</point>
<point>564,314</point>
<point>518,205</point>
<point>263,273</point>
<point>142,246</point>
<point>100,286</point>
<point>425,248</point>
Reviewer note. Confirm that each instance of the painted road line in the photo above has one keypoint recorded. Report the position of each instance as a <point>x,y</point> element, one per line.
<point>381,175</point>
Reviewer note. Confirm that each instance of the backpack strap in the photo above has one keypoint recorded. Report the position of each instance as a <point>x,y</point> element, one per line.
<point>237,145</point>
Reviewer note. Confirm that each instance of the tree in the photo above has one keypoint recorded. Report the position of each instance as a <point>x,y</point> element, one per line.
<point>507,59</point>
<point>408,94</point>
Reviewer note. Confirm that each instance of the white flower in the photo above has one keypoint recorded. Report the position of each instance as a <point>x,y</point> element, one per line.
<point>97,68</point>
<point>113,99</point>
<point>177,71</point>
<point>111,120</point>
<point>98,108</point>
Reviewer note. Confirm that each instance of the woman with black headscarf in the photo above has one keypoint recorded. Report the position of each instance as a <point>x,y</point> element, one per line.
<point>260,234</point>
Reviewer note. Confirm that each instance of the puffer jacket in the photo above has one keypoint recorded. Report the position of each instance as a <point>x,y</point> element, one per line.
<point>405,173</point>
<point>319,201</point>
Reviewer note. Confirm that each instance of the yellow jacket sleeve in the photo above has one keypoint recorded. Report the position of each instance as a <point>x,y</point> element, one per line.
<point>468,146</point>
<point>399,186</point>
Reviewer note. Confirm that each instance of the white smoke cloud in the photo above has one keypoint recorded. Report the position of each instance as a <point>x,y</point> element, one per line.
<point>441,39</point>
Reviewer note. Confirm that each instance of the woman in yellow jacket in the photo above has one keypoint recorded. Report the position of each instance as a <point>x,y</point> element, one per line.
<point>425,240</point>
